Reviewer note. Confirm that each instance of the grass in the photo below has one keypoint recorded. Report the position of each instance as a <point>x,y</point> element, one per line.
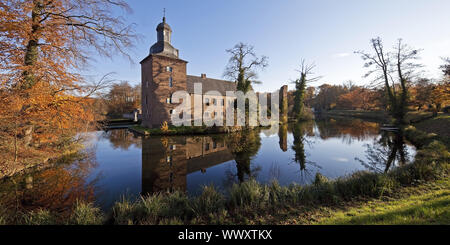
<point>412,116</point>
<point>86,214</point>
<point>440,126</point>
<point>377,115</point>
<point>417,116</point>
<point>429,204</point>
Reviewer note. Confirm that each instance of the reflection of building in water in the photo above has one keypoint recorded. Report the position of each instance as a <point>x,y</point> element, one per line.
<point>166,162</point>
<point>282,134</point>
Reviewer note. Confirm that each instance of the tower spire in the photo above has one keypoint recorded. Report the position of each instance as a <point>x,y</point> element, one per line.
<point>164,15</point>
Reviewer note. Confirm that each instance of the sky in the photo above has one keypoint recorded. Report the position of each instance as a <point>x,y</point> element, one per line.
<point>325,33</point>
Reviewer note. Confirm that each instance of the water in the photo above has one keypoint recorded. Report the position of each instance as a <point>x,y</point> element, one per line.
<point>119,163</point>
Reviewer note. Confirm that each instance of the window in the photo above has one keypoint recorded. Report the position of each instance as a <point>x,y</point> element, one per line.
<point>168,101</point>
<point>170,82</point>
<point>215,145</point>
<point>169,159</point>
<point>169,69</point>
<point>207,101</point>
<point>172,112</point>
<point>215,114</point>
<point>207,147</point>
<point>214,101</point>
<point>223,102</point>
<point>173,147</point>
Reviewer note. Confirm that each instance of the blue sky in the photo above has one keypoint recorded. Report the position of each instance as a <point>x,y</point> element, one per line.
<point>324,32</point>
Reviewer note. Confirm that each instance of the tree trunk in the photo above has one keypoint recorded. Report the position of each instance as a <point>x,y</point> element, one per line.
<point>30,60</point>
<point>16,150</point>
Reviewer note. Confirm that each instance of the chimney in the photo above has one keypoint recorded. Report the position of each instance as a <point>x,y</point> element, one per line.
<point>203,75</point>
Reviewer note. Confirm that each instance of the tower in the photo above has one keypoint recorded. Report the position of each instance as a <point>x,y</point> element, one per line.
<point>162,74</point>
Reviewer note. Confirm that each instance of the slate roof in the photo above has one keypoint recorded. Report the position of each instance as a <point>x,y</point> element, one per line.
<point>209,84</point>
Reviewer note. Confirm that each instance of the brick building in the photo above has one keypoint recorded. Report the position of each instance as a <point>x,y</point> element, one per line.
<point>164,73</point>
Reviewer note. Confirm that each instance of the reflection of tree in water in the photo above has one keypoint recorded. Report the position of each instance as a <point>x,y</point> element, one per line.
<point>122,139</point>
<point>347,129</point>
<point>244,146</point>
<point>274,171</point>
<point>386,152</point>
<point>299,131</point>
<point>55,189</point>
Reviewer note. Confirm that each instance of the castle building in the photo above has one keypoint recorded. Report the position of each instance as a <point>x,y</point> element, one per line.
<point>164,73</point>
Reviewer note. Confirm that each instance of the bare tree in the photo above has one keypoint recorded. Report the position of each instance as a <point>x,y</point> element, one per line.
<point>446,67</point>
<point>394,70</point>
<point>300,88</point>
<point>242,66</point>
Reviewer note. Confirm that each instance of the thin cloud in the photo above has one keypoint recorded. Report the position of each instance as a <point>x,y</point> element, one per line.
<point>341,55</point>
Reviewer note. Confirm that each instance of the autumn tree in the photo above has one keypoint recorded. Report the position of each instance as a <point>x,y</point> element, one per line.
<point>300,89</point>
<point>440,96</point>
<point>421,93</point>
<point>243,65</point>
<point>43,43</point>
<point>123,98</point>
<point>357,98</point>
<point>393,70</point>
<point>327,97</point>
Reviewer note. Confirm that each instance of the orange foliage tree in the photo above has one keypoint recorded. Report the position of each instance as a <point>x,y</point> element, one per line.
<point>43,43</point>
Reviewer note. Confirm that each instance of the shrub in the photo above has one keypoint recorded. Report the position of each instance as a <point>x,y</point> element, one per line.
<point>86,214</point>
<point>176,204</point>
<point>208,202</point>
<point>2,220</point>
<point>151,207</point>
<point>364,184</point>
<point>320,179</point>
<point>40,217</point>
<point>249,194</point>
<point>123,212</point>
<point>164,127</point>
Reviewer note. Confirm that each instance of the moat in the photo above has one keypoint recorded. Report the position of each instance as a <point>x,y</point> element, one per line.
<point>122,164</point>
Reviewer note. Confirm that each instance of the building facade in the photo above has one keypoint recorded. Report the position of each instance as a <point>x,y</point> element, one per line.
<point>164,73</point>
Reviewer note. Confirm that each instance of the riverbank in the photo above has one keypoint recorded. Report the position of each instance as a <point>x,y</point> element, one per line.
<point>439,125</point>
<point>183,130</point>
<point>373,115</point>
<point>39,161</point>
<point>411,117</point>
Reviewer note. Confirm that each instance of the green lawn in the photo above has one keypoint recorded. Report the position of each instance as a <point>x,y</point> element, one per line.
<point>439,125</point>
<point>430,207</point>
